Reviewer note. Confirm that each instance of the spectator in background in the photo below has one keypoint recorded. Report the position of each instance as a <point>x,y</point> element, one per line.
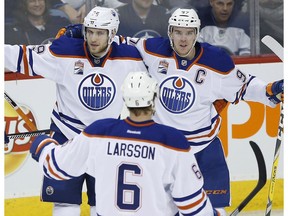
<point>271,21</point>
<point>141,18</point>
<point>33,24</point>
<point>112,3</point>
<point>225,27</point>
<point>8,11</point>
<point>172,5</point>
<point>74,10</point>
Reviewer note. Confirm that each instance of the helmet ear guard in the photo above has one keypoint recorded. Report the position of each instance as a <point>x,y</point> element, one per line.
<point>139,90</point>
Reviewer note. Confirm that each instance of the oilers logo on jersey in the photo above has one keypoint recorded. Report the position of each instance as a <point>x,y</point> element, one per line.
<point>96,91</point>
<point>176,94</point>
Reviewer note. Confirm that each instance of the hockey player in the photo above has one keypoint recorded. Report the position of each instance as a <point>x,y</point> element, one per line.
<point>88,74</point>
<point>140,167</point>
<point>191,77</point>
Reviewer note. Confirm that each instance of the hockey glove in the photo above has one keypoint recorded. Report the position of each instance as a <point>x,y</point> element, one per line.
<point>275,91</point>
<point>39,144</point>
<point>71,31</point>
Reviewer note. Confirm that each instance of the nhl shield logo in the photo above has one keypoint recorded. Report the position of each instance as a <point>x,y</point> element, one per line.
<point>163,67</point>
<point>79,67</point>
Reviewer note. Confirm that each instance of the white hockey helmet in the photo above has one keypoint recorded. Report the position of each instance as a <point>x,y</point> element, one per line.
<point>102,18</point>
<point>186,18</point>
<point>139,89</point>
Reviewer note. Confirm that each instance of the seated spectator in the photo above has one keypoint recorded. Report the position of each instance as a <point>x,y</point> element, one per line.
<point>172,5</point>
<point>74,10</point>
<point>112,3</point>
<point>271,21</point>
<point>224,27</point>
<point>33,24</point>
<point>141,18</point>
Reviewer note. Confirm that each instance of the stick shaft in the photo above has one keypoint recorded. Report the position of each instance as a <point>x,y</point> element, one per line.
<point>30,125</point>
<point>275,164</point>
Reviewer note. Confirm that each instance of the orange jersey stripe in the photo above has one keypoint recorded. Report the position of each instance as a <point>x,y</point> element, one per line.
<point>193,204</point>
<point>51,170</point>
<point>138,140</point>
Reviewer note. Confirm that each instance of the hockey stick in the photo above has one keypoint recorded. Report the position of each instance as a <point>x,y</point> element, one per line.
<point>261,179</point>
<point>275,164</point>
<point>27,134</point>
<point>31,126</point>
<point>272,44</point>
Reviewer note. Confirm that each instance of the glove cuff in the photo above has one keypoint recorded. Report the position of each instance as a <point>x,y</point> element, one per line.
<point>39,144</point>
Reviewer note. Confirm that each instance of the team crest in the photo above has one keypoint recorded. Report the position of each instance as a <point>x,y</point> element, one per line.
<point>78,67</point>
<point>177,94</point>
<point>49,190</point>
<point>96,91</point>
<point>163,67</point>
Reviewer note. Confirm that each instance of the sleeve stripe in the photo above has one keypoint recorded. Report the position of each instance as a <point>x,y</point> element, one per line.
<point>57,167</point>
<point>193,204</point>
<point>51,170</point>
<point>212,132</point>
<point>195,212</point>
<point>25,61</point>
<point>188,197</point>
<point>202,130</point>
<point>46,172</point>
<point>19,59</point>
<point>31,62</point>
<point>44,143</point>
<point>246,85</point>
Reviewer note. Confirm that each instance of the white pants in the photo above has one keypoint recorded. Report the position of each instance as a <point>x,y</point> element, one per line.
<point>65,209</point>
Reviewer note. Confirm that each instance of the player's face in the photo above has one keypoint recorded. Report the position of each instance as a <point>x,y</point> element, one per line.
<point>144,4</point>
<point>97,41</point>
<point>183,39</point>
<point>222,9</point>
<point>36,7</point>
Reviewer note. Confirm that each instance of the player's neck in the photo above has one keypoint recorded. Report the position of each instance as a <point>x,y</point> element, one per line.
<point>140,118</point>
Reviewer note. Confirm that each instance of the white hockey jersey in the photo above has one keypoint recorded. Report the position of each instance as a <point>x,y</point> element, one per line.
<point>187,89</point>
<point>87,88</point>
<point>232,39</point>
<point>140,168</point>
